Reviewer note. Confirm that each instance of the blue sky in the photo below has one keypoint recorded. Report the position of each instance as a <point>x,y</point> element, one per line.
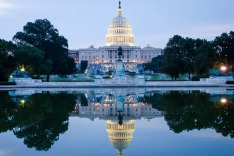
<point>85,22</point>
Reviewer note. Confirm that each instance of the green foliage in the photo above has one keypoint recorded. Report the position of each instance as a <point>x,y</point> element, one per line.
<point>42,35</point>
<point>186,111</point>
<point>83,66</point>
<point>71,65</point>
<point>173,57</point>
<point>38,123</point>
<point>198,77</point>
<point>224,46</point>
<point>83,100</point>
<point>230,82</point>
<point>44,68</point>
<point>155,65</point>
<point>7,61</point>
<point>29,57</point>
<point>7,111</point>
<point>73,78</point>
<point>7,83</point>
<point>185,55</point>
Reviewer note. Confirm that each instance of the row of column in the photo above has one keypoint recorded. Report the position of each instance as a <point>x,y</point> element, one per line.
<point>120,39</point>
<point>114,53</point>
<point>123,127</point>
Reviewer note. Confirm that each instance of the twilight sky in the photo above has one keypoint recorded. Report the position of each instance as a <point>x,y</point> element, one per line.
<point>85,22</point>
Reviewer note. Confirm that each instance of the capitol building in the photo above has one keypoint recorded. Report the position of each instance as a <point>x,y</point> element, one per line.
<point>119,34</point>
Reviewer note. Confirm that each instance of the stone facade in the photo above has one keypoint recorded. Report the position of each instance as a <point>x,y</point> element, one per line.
<point>119,35</point>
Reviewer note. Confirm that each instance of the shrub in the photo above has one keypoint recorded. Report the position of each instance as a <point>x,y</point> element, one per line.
<point>198,77</point>
<point>7,83</point>
<point>230,82</point>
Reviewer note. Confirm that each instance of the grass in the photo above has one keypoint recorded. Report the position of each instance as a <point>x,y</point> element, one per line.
<point>157,77</point>
<point>164,77</point>
<point>74,78</point>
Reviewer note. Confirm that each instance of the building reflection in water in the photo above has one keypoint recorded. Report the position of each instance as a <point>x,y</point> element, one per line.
<point>119,110</point>
<point>30,114</point>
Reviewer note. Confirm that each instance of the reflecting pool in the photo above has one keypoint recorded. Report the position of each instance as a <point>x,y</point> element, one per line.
<point>117,122</point>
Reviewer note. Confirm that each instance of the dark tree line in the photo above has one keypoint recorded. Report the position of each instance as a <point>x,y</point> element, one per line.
<point>38,123</point>
<point>7,60</point>
<point>194,56</point>
<point>186,111</point>
<point>39,49</point>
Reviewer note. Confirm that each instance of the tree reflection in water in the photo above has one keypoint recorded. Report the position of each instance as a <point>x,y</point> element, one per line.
<point>39,120</point>
<point>186,111</point>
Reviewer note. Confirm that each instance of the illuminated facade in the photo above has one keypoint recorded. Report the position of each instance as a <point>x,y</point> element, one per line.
<point>119,34</point>
<point>119,109</point>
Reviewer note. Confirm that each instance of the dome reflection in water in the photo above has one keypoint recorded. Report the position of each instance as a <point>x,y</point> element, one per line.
<point>41,118</point>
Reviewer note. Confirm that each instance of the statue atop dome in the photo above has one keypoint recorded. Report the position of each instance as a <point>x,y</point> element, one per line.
<point>120,31</point>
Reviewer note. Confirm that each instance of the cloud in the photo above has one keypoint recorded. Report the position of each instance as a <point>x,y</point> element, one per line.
<point>5,7</point>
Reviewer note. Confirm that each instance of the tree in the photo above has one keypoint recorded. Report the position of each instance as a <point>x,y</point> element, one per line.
<point>7,60</point>
<point>83,66</point>
<point>155,65</point>
<point>45,37</point>
<point>198,56</point>
<point>71,65</point>
<point>173,57</point>
<point>44,68</point>
<point>29,57</point>
<point>187,55</point>
<point>224,46</point>
<point>186,111</point>
<point>8,109</point>
<point>83,100</point>
<point>38,123</point>
<point>205,56</point>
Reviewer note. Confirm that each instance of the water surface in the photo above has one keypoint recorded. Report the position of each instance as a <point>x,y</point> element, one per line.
<point>116,122</point>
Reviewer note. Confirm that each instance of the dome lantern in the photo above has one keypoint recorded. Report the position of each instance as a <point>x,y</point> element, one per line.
<point>120,31</point>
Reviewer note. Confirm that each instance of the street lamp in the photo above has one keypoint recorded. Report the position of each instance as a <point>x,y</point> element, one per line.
<point>223,100</point>
<point>22,102</point>
<point>223,68</point>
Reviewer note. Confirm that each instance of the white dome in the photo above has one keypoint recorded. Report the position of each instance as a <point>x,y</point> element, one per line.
<point>120,136</point>
<point>120,31</point>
